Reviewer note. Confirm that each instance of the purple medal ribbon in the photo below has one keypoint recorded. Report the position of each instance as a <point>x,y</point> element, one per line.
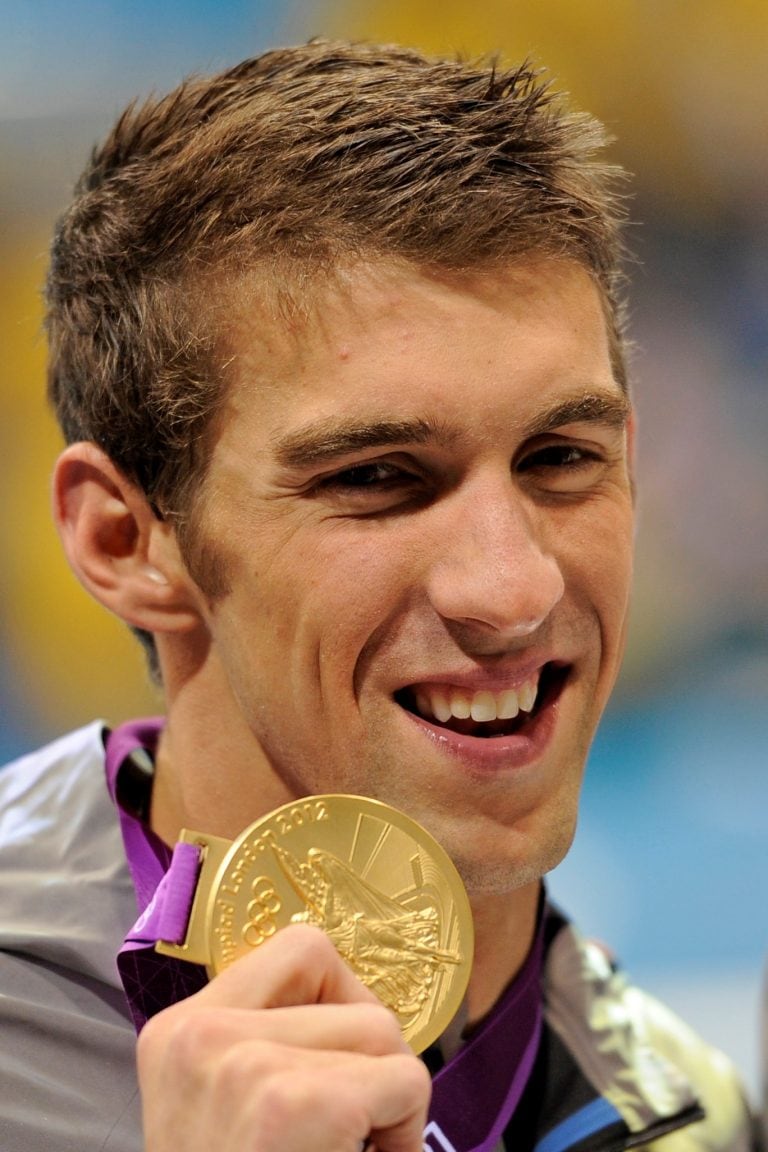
<point>151,981</point>
<point>475,1094</point>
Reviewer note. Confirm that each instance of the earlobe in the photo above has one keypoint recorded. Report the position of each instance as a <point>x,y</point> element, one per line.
<point>121,553</point>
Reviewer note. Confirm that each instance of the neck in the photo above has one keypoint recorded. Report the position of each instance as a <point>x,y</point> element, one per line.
<point>210,773</point>
<point>505,926</point>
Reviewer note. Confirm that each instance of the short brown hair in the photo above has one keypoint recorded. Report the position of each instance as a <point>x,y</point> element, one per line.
<point>288,164</point>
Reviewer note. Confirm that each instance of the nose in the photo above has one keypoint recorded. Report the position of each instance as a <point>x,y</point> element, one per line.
<point>493,570</point>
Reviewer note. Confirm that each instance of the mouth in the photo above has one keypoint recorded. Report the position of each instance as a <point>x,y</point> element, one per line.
<point>483,713</point>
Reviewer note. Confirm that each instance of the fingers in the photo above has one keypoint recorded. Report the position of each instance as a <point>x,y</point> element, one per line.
<point>370,1029</point>
<point>297,966</point>
<point>284,1051</point>
<point>382,1099</point>
<point>260,1097</point>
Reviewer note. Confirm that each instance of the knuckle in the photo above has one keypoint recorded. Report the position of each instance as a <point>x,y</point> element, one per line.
<point>281,1102</point>
<point>309,945</point>
<point>229,1091</point>
<point>240,1070</point>
<point>177,1036</point>
<point>279,1097</point>
<point>416,1080</point>
<point>292,1098</point>
<point>380,1027</point>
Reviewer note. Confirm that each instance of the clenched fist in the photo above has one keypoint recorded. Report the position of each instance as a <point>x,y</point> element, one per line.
<point>285,1051</point>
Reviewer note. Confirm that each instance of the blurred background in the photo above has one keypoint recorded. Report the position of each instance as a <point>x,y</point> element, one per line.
<point>671,859</point>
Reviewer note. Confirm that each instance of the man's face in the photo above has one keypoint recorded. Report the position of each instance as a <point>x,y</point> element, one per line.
<point>421,501</point>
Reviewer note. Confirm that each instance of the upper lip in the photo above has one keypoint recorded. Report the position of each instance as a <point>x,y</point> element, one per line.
<point>497,679</point>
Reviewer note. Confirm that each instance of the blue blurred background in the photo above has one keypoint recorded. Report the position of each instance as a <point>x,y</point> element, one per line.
<point>670,864</point>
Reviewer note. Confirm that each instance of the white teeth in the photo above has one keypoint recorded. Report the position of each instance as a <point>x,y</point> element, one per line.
<point>461,706</point>
<point>526,695</point>
<point>441,709</point>
<point>508,705</point>
<point>443,704</point>
<point>483,706</point>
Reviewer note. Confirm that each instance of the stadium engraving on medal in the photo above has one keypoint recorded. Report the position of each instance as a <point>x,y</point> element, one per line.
<point>383,890</point>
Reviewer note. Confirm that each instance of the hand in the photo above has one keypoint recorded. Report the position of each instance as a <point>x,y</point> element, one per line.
<point>285,1051</point>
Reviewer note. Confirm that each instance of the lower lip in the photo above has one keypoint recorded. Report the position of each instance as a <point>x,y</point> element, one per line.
<point>496,753</point>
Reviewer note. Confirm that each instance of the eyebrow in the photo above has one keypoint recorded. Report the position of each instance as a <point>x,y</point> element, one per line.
<point>331,439</point>
<point>610,408</point>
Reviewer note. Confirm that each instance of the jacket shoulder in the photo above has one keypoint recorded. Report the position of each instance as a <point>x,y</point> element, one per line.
<point>639,1054</point>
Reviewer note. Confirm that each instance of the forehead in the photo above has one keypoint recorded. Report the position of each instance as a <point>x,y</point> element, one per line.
<point>396,336</point>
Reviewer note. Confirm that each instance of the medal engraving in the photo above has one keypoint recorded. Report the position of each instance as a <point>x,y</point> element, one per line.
<point>385,893</point>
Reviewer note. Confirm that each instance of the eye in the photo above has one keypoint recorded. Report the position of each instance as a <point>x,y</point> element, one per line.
<point>564,467</point>
<point>369,474</point>
<point>558,456</point>
<point>374,487</point>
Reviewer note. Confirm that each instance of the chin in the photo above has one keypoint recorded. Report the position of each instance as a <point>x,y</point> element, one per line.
<point>494,874</point>
<point>497,879</point>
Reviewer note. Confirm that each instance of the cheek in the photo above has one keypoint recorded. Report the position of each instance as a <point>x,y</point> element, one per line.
<point>597,567</point>
<point>360,578</point>
<point>618,568</point>
<point>321,614</point>
<point>606,550</point>
<point>610,587</point>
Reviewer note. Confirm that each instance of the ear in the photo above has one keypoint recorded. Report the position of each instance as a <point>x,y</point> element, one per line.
<point>121,552</point>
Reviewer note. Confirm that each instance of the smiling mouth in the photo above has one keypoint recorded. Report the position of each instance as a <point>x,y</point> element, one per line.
<point>483,713</point>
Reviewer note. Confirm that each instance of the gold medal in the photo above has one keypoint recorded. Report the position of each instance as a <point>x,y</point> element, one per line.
<point>375,881</point>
